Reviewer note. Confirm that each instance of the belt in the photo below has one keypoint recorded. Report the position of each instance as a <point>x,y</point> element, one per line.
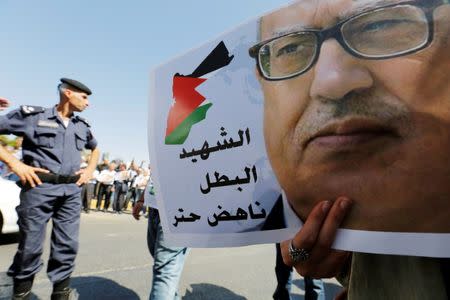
<point>57,178</point>
<point>51,178</point>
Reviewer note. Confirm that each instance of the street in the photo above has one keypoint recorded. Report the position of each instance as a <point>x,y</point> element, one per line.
<point>113,263</point>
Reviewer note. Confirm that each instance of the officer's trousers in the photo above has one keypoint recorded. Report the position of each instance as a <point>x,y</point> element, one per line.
<point>37,206</point>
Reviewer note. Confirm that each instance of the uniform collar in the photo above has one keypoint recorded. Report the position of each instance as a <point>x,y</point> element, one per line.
<point>52,113</point>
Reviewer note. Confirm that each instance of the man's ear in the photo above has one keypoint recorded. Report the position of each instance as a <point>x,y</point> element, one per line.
<point>67,93</point>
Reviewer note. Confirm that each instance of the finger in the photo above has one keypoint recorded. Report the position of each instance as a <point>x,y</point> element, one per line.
<point>30,180</point>
<point>36,178</point>
<point>326,237</point>
<point>332,223</point>
<point>78,172</point>
<point>80,181</point>
<point>306,237</point>
<point>40,170</point>
<point>327,267</point>
<point>23,179</point>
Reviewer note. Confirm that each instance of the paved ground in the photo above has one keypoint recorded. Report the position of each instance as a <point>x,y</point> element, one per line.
<point>113,263</point>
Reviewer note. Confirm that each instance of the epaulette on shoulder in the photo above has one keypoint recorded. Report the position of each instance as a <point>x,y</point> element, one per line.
<point>83,120</point>
<point>31,110</point>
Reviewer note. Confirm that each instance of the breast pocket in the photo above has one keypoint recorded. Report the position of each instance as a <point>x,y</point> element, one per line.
<point>80,140</point>
<point>45,137</point>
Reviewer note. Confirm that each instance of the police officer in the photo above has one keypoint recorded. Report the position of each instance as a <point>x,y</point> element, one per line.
<point>50,178</point>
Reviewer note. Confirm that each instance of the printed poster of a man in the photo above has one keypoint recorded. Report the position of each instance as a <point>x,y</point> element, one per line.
<point>291,109</point>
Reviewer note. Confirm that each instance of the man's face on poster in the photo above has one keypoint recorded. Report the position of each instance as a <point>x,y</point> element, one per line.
<point>361,110</point>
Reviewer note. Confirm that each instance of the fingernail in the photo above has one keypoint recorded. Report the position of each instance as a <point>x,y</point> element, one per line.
<point>345,203</point>
<point>326,206</point>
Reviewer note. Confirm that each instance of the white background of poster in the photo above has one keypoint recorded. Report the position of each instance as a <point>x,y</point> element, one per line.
<point>237,105</point>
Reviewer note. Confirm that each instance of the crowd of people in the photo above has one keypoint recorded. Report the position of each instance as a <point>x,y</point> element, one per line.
<point>114,186</point>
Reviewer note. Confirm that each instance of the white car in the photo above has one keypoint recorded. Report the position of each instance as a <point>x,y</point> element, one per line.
<point>9,199</point>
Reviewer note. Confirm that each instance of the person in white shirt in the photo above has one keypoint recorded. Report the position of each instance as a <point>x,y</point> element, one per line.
<point>139,183</point>
<point>87,191</point>
<point>106,179</point>
<point>120,188</point>
<point>131,193</point>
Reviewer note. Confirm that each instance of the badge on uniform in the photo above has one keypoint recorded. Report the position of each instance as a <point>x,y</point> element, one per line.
<point>28,109</point>
<point>45,123</point>
<point>31,110</point>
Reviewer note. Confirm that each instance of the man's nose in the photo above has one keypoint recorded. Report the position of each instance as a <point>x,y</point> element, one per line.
<point>338,73</point>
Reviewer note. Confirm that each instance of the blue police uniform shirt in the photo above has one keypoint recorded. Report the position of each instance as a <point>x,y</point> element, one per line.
<point>47,143</point>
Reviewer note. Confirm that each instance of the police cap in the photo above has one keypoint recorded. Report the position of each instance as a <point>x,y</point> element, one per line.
<point>76,84</point>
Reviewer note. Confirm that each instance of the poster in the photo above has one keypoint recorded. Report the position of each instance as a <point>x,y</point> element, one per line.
<point>249,131</point>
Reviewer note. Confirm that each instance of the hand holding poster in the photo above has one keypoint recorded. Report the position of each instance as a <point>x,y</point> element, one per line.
<point>250,131</point>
